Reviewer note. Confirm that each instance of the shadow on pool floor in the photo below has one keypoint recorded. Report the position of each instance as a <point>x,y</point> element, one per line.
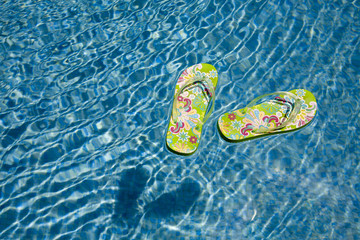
<point>131,186</point>
<point>133,183</point>
<point>175,202</point>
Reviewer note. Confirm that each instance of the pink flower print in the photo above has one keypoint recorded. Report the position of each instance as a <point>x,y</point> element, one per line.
<point>232,116</point>
<point>193,139</point>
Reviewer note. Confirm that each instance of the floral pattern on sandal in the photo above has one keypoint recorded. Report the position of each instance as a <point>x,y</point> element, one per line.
<point>270,116</point>
<point>191,108</point>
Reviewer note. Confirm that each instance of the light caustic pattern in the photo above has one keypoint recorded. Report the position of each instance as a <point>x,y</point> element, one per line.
<point>86,91</point>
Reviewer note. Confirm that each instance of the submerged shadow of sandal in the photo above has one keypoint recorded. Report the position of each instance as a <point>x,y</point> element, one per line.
<point>131,185</point>
<point>175,202</point>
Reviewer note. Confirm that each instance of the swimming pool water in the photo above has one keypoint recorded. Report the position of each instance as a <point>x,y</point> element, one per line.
<point>86,91</point>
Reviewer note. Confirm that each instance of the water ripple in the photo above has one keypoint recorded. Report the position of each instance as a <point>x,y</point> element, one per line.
<point>85,97</point>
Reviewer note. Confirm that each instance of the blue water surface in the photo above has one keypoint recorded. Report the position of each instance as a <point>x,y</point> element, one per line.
<point>86,90</point>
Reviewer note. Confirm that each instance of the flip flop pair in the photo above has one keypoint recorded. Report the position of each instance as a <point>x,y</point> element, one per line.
<point>268,114</point>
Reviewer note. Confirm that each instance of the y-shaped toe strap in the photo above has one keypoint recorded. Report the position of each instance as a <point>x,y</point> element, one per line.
<point>208,91</point>
<point>293,108</point>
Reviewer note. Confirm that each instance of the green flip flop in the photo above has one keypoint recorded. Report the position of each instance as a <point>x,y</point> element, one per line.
<point>193,103</point>
<point>272,113</point>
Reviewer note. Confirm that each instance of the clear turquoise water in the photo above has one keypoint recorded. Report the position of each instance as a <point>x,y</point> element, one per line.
<point>86,90</point>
